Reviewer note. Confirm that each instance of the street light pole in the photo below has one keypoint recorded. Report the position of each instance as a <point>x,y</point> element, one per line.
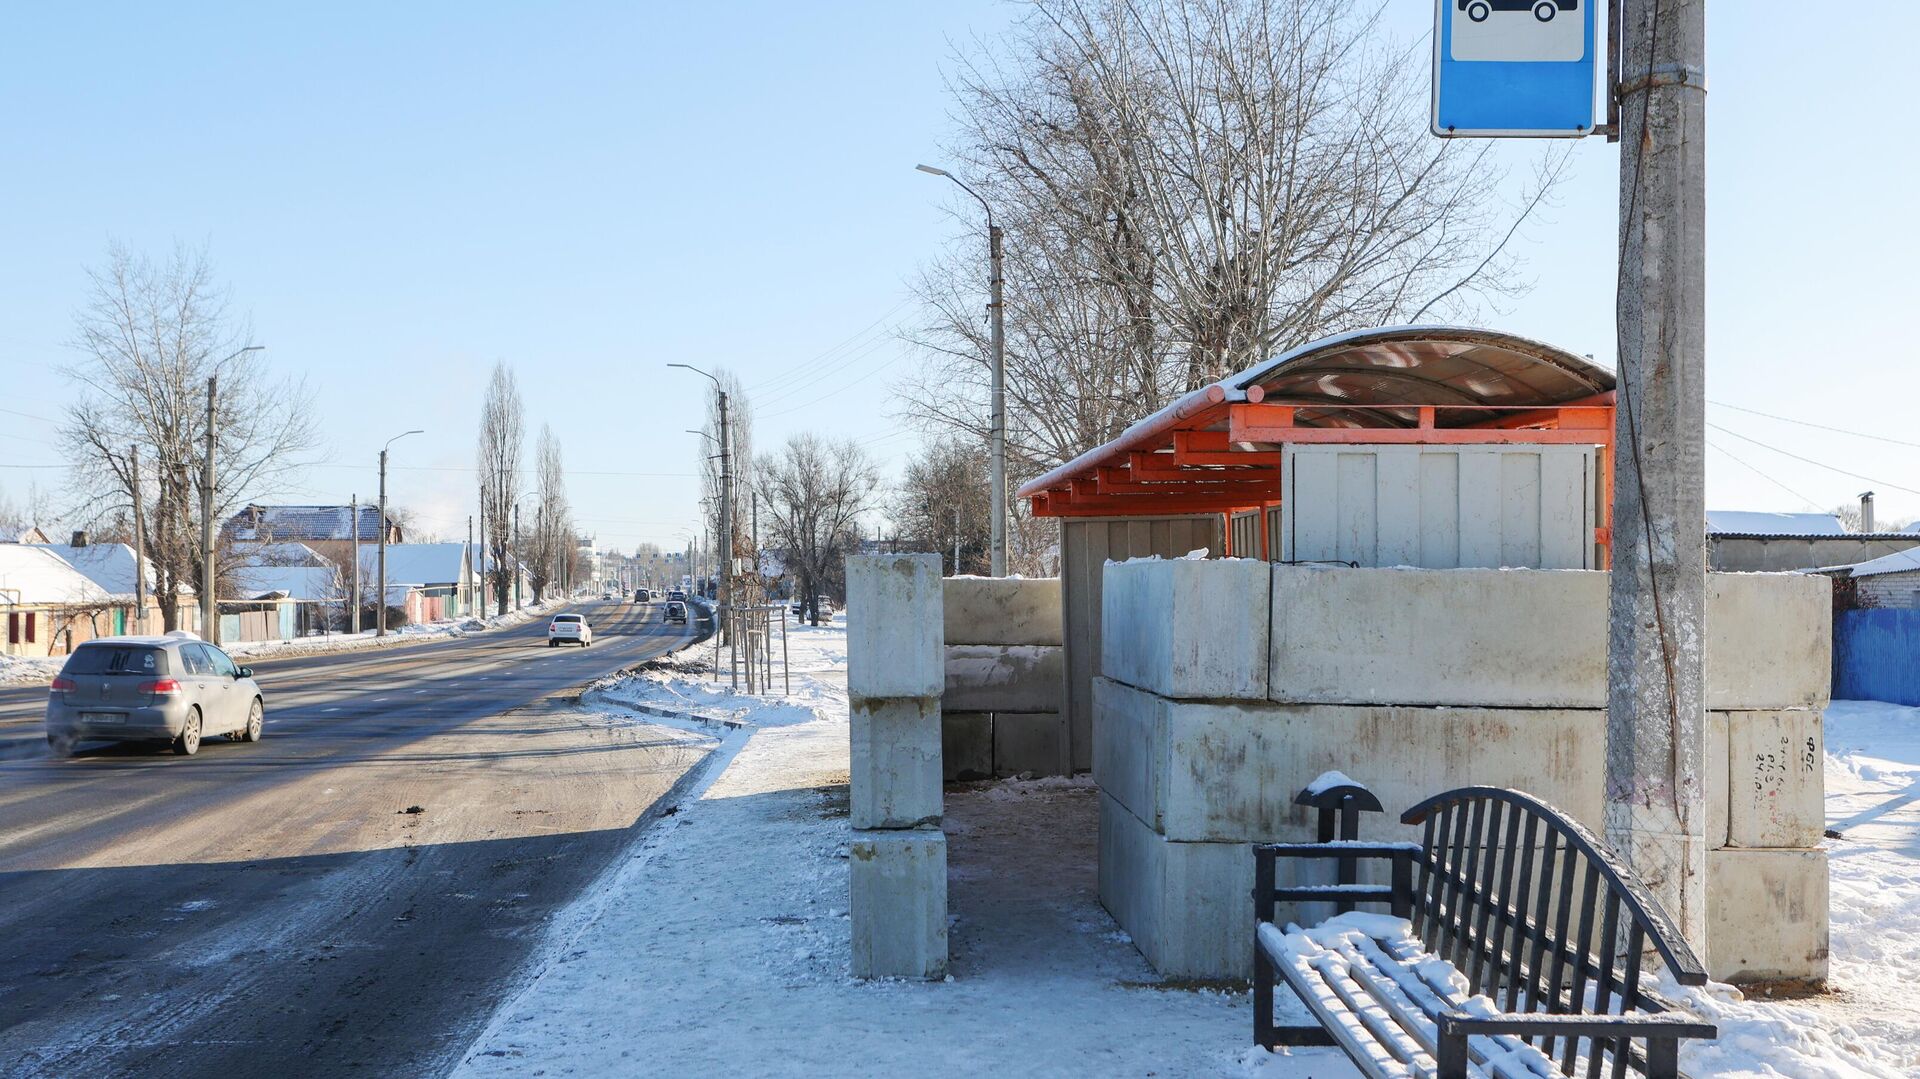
<point>726,502</point>
<point>380,607</point>
<point>997,432</point>
<point>209,607</point>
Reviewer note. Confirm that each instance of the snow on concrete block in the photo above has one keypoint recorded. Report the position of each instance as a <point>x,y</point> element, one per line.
<point>894,620</point>
<point>898,884</point>
<point>1004,678</point>
<point>1003,610</point>
<point>1030,743</point>
<point>1769,640</point>
<point>1776,785</point>
<point>1187,628</point>
<point>966,745</point>
<point>1184,904</point>
<point>1492,638</point>
<point>1767,915</point>
<point>894,765</point>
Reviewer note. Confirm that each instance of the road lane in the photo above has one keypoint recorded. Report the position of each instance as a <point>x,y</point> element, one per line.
<point>274,908</point>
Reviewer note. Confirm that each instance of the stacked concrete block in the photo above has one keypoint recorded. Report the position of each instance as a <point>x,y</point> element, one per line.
<point>1420,681</point>
<point>1005,677</point>
<point>897,861</point>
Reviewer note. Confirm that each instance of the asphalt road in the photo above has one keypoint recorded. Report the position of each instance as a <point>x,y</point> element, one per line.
<point>274,909</point>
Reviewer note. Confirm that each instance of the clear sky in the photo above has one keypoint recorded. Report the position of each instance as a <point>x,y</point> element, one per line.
<point>401,194</point>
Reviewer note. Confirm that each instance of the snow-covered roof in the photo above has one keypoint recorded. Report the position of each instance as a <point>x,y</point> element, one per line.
<point>1897,562</point>
<point>275,523</point>
<point>307,583</point>
<point>41,577</point>
<point>1758,523</point>
<point>26,534</point>
<point>109,565</point>
<point>285,554</point>
<point>417,563</point>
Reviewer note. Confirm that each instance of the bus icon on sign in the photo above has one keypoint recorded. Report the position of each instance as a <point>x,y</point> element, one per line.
<point>1544,10</point>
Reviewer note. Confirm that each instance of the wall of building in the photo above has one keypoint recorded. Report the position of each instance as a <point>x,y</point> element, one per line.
<point>1086,545</point>
<point>1779,554</point>
<point>1005,678</point>
<point>1228,686</point>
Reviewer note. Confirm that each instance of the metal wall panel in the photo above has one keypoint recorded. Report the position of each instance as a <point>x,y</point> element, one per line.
<point>1440,506</point>
<point>1086,544</point>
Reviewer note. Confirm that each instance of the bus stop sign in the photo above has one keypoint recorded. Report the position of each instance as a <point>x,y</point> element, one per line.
<point>1514,68</point>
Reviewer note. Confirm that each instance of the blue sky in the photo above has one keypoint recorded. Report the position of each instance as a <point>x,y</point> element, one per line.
<point>401,194</point>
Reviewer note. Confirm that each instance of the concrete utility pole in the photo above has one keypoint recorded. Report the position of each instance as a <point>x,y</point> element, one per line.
<point>209,608</point>
<point>476,591</point>
<point>354,589</point>
<point>139,543</point>
<point>1656,700</point>
<point>380,608</point>
<point>997,324</point>
<point>485,584</point>
<point>956,541</point>
<point>514,547</point>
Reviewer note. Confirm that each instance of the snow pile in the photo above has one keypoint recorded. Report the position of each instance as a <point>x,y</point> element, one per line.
<point>686,682</point>
<point>29,670</point>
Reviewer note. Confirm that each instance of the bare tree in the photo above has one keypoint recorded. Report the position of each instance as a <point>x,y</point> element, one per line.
<point>740,450</point>
<point>943,498</point>
<point>812,495</point>
<point>151,334</point>
<point>502,429</point>
<point>1186,187</point>
<point>551,550</point>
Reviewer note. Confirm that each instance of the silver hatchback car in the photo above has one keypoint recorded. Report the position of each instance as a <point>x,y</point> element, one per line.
<point>153,689</point>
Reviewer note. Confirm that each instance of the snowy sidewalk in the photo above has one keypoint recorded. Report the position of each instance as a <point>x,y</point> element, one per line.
<point>719,945</point>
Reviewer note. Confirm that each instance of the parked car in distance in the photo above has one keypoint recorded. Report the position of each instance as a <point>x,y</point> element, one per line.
<point>676,612</point>
<point>641,595</point>
<point>569,628</point>
<point>799,607</point>
<point>174,689</point>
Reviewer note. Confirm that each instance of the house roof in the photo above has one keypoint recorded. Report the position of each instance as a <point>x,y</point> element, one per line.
<point>417,563</point>
<point>109,565</point>
<point>1214,449</point>
<point>274,523</point>
<point>43,578</point>
<point>1906,561</point>
<point>24,534</point>
<point>306,583</point>
<point>1758,523</point>
<point>286,554</point>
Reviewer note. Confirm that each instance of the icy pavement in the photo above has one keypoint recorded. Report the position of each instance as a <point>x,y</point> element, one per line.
<point>719,945</point>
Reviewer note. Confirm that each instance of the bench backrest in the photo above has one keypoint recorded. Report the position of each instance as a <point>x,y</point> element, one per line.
<point>1534,909</point>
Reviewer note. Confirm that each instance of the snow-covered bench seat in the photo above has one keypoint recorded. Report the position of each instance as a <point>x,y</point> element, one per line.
<point>1517,953</point>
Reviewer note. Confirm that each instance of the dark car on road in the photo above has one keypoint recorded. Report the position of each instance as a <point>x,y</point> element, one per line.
<point>170,689</point>
<point>1544,10</point>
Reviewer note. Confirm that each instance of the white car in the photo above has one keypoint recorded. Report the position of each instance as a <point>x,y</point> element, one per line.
<point>571,628</point>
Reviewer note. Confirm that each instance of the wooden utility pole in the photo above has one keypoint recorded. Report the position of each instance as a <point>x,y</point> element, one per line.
<point>139,543</point>
<point>1656,699</point>
<point>209,608</point>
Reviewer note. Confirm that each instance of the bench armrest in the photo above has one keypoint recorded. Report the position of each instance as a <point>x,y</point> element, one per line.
<point>1532,1024</point>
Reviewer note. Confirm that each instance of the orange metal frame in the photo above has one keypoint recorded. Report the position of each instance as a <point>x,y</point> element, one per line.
<point>1197,470</point>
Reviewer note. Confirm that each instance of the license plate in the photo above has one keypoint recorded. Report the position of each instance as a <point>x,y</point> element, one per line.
<point>103,717</point>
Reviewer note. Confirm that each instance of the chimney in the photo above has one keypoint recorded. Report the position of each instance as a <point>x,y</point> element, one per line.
<point>79,539</point>
<point>1866,511</point>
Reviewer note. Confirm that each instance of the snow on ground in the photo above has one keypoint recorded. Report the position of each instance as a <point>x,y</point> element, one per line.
<point>23,670</point>
<point>719,944</point>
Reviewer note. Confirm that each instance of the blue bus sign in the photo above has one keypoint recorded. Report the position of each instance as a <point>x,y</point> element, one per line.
<point>1514,68</point>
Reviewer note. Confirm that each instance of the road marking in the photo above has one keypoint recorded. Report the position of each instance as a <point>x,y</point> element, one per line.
<point>329,709</point>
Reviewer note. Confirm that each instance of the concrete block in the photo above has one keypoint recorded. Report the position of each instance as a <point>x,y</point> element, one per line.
<point>1776,785</point>
<point>1187,628</point>
<point>1496,638</point>
<point>1186,905</point>
<point>1003,610</point>
<point>1767,915</point>
<point>898,883</point>
<point>1004,678</point>
<point>966,745</point>
<point>893,762</point>
<point>894,626</point>
<point>1769,640</point>
<point>1228,771</point>
<point>1026,742</point>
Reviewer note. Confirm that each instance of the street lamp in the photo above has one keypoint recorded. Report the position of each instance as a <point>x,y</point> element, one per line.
<point>380,605</point>
<point>726,499</point>
<point>997,437</point>
<point>209,608</point>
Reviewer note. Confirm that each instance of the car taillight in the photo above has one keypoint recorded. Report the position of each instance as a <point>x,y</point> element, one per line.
<point>160,687</point>
<point>64,685</point>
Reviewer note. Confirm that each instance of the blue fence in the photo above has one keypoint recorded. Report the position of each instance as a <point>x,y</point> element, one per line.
<point>1876,655</point>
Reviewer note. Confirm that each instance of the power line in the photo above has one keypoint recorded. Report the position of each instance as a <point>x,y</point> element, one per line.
<point>802,368</point>
<point>1811,461</point>
<point>1817,426</point>
<point>1729,456</point>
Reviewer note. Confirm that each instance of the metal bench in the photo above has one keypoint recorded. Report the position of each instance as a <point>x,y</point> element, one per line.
<point>1516,953</point>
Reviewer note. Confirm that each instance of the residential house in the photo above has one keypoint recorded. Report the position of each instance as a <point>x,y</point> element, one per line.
<point>440,577</point>
<point>28,534</point>
<point>112,566</point>
<point>327,530</point>
<point>50,606</point>
<point>1742,541</point>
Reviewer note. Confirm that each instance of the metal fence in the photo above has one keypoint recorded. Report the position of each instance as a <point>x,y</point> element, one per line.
<point>750,643</point>
<point>1876,655</point>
